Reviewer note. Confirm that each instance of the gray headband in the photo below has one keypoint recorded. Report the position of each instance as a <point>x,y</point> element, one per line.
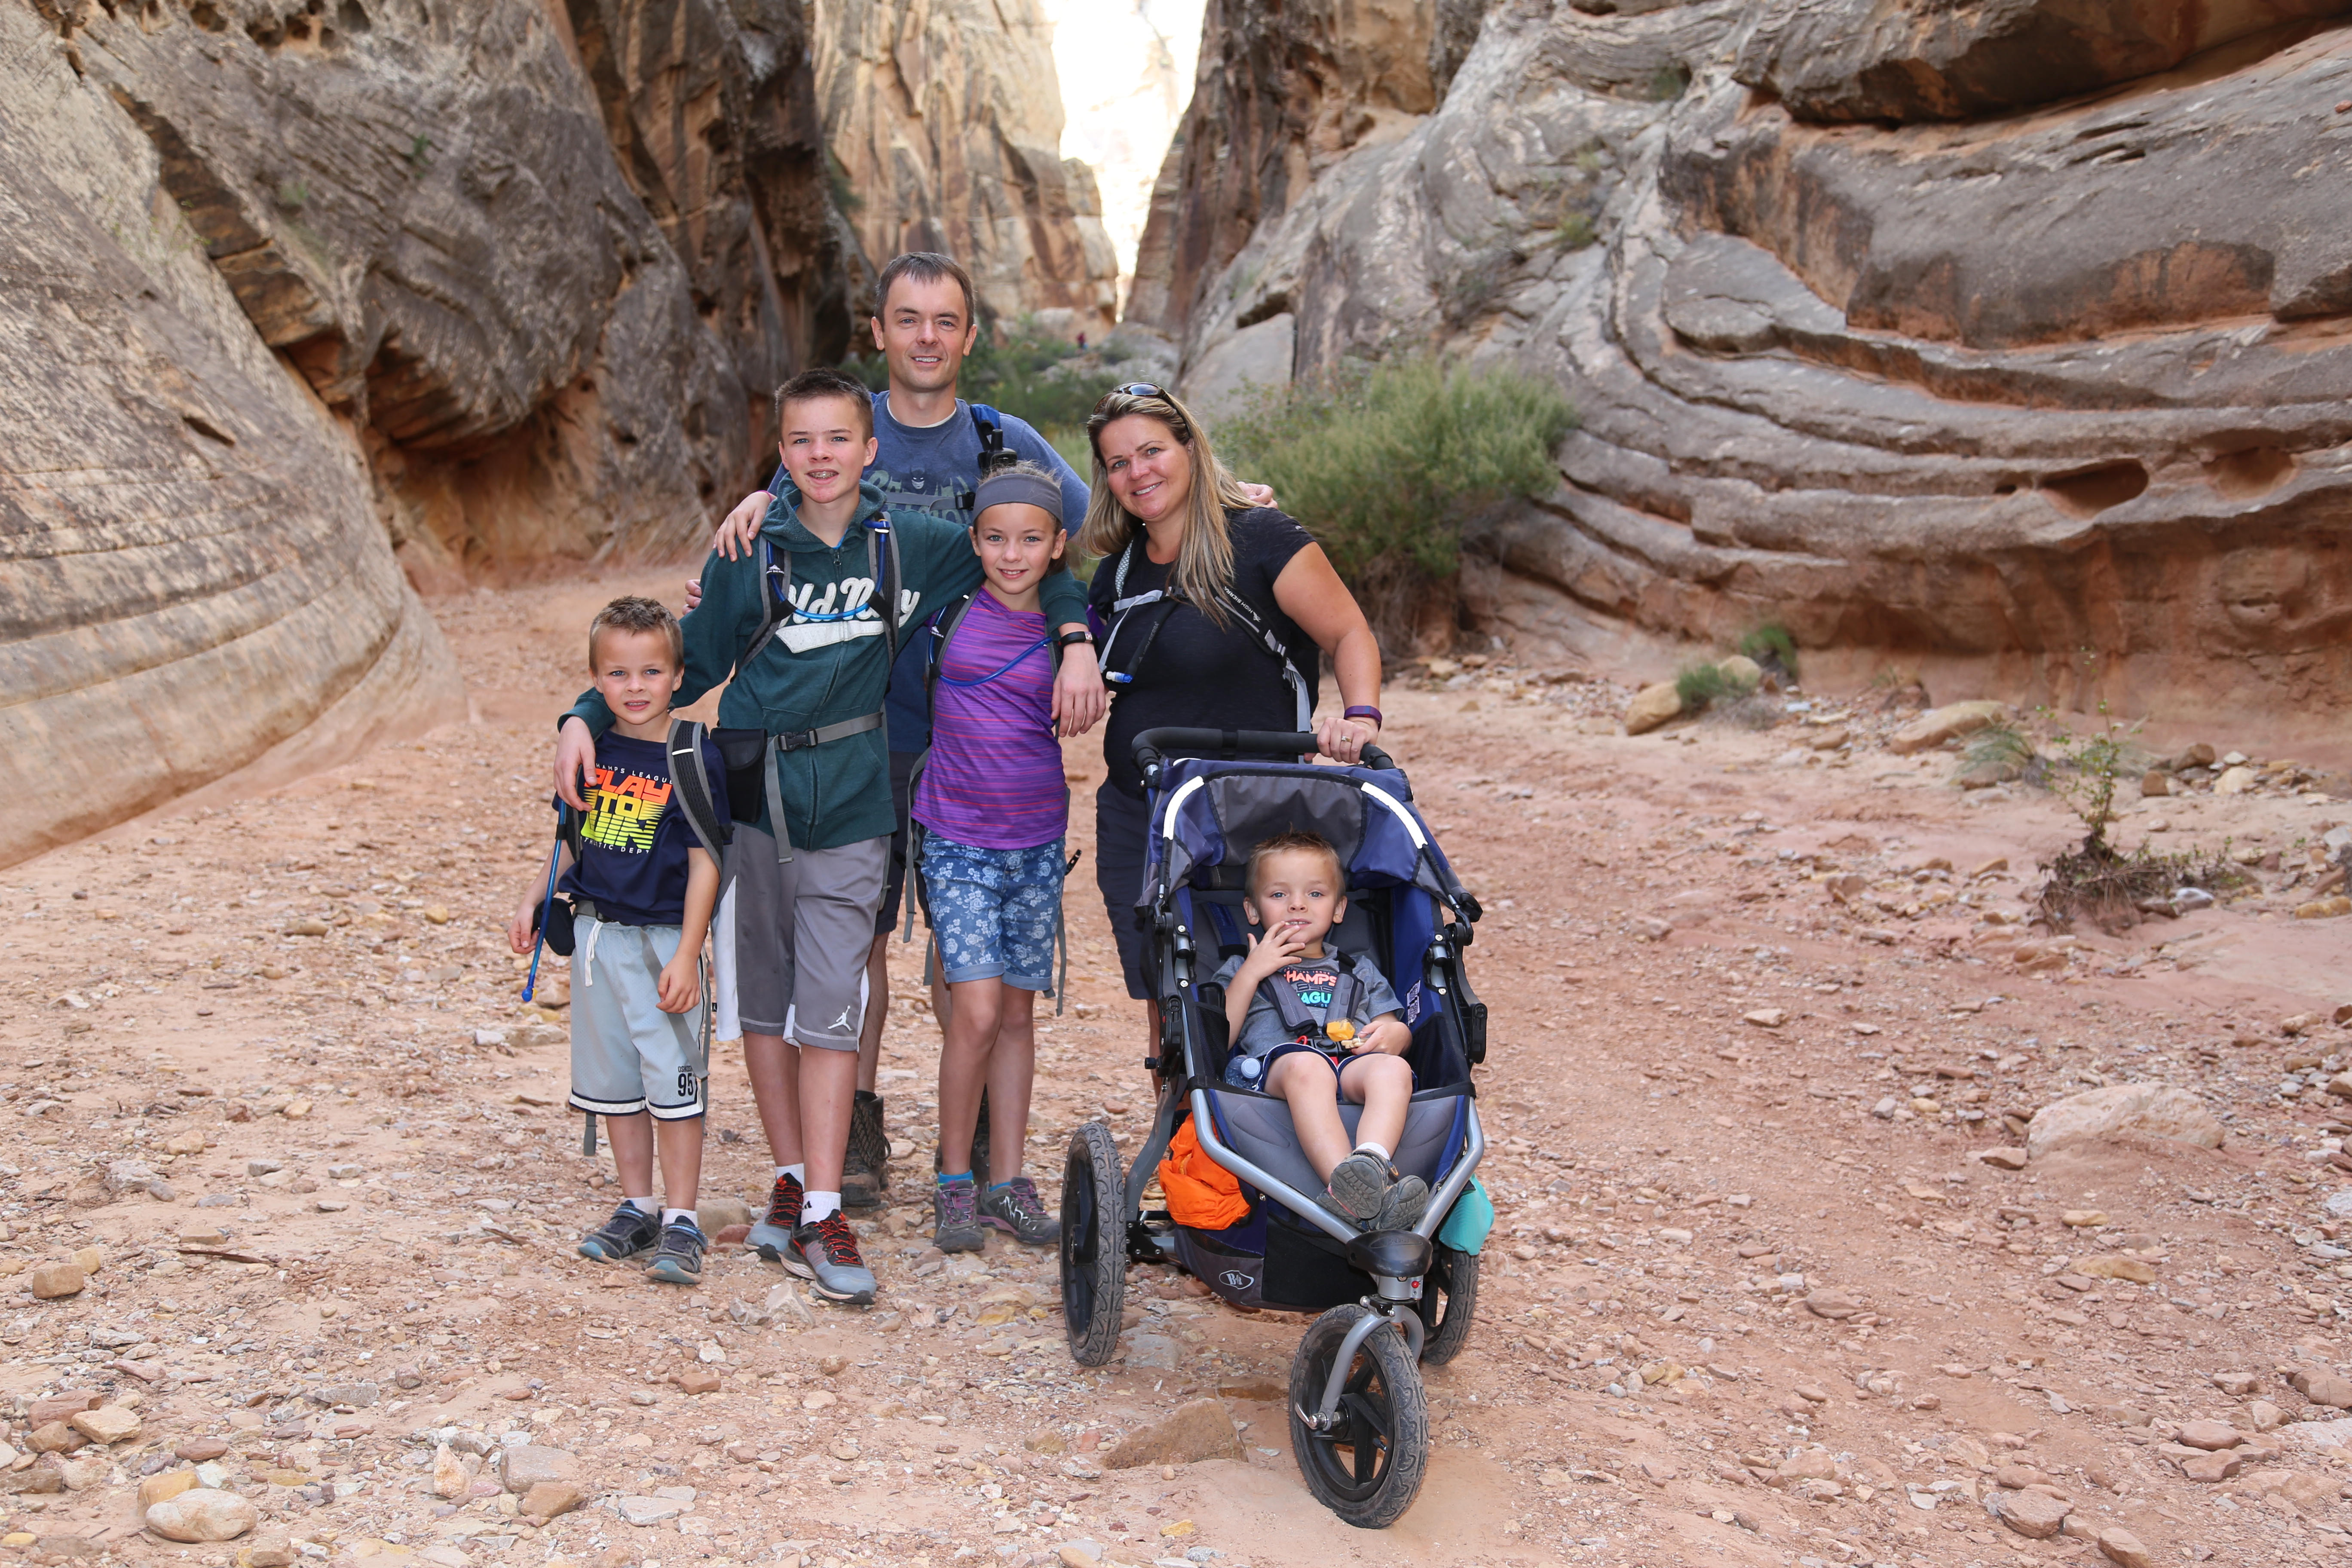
<point>1032,489</point>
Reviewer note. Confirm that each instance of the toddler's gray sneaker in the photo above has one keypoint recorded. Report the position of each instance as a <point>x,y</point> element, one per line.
<point>678,1259</point>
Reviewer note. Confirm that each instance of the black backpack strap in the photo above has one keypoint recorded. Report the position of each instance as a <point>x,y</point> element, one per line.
<point>775,597</point>
<point>941,627</point>
<point>989,425</point>
<point>689,779</point>
<point>882,565</point>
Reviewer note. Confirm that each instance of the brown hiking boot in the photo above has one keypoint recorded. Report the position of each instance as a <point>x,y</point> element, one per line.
<point>865,1165</point>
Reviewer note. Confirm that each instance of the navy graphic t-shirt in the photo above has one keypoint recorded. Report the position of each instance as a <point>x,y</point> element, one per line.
<point>1313,981</point>
<point>634,841</point>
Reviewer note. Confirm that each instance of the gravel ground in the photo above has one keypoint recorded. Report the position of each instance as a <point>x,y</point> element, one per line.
<point>1752,1298</point>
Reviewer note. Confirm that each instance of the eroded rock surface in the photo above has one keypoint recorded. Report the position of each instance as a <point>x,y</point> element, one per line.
<point>1971,394</point>
<point>944,118</point>
<point>1853,59</point>
<point>195,568</point>
<point>301,296</point>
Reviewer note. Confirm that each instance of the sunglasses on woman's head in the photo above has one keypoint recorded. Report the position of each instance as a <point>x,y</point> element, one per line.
<point>1132,389</point>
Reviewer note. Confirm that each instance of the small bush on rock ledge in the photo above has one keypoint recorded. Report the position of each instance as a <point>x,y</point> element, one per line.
<point>1383,462</point>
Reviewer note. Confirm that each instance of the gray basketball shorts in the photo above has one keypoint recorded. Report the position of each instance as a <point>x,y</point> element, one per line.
<point>792,939</point>
<point>627,1055</point>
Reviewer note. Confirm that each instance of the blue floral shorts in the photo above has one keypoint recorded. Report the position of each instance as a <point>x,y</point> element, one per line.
<point>993,910</point>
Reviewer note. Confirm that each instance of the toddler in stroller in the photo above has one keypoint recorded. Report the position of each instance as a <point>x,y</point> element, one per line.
<point>1296,1012</point>
<point>1250,1207</point>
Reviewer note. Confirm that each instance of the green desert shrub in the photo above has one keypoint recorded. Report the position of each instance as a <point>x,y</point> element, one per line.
<point>1385,461</point>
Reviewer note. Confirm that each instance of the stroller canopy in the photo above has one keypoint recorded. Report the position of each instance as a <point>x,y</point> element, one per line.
<point>1210,815</point>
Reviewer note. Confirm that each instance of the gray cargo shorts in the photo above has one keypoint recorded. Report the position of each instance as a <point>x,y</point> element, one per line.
<point>627,1055</point>
<point>792,939</point>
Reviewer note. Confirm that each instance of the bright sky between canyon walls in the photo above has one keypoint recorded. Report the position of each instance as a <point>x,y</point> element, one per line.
<point>1126,74</point>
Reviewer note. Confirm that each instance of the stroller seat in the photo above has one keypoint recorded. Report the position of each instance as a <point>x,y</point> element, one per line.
<point>1258,1125</point>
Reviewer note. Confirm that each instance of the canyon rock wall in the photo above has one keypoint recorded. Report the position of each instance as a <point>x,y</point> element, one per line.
<point>298,294</point>
<point>944,122</point>
<point>1942,344</point>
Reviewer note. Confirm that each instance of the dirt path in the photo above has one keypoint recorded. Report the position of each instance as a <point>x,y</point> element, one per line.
<point>1726,1103</point>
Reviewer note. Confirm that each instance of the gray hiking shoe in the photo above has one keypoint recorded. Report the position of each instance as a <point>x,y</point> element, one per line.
<point>678,1259</point>
<point>773,1237</point>
<point>1359,1184</point>
<point>956,1225</point>
<point>1402,1206</point>
<point>630,1231</point>
<point>826,1255</point>
<point>864,1166</point>
<point>1016,1207</point>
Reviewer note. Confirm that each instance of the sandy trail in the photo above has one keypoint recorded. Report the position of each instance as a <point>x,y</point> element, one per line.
<point>314,978</point>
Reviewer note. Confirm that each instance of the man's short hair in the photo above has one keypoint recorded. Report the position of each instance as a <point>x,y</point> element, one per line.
<point>826,382</point>
<point>634,613</point>
<point>924,267</point>
<point>1287,842</point>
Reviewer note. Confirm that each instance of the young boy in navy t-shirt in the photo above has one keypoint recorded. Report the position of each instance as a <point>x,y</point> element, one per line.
<point>643,889</point>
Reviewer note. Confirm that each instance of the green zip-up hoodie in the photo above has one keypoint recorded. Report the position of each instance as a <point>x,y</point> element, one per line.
<point>818,670</point>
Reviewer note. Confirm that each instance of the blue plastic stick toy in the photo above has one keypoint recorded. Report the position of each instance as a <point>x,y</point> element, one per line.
<point>554,855</point>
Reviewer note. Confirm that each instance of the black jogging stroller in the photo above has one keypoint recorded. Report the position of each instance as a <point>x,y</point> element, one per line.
<point>1389,1300</point>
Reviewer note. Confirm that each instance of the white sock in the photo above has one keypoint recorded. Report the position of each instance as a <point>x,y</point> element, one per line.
<point>816,1206</point>
<point>644,1205</point>
<point>671,1217</point>
<point>1374,1150</point>
<point>797,1173</point>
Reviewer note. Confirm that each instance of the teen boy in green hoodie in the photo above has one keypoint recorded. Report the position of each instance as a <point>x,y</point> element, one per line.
<point>800,909</point>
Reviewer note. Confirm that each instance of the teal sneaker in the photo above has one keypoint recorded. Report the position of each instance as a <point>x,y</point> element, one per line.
<point>630,1231</point>
<point>678,1259</point>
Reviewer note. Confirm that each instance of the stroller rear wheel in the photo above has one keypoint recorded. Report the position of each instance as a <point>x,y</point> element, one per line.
<point>1094,1244</point>
<point>1368,1467</point>
<point>1453,1277</point>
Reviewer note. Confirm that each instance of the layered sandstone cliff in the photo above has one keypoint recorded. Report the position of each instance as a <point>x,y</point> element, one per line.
<point>288,285</point>
<point>944,122</point>
<point>2006,340</point>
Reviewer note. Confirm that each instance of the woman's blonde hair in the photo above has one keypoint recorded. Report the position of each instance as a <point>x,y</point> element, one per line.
<point>1204,559</point>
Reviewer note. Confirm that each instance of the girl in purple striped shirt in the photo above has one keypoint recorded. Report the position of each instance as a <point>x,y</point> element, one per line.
<point>995,810</point>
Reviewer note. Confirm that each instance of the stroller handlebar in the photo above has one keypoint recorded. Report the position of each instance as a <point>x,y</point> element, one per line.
<point>1232,745</point>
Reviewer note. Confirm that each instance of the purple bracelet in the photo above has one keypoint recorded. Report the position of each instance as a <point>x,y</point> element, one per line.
<point>1363,710</point>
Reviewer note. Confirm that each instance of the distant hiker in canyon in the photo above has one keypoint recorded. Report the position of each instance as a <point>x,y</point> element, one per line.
<point>1218,607</point>
<point>794,634</point>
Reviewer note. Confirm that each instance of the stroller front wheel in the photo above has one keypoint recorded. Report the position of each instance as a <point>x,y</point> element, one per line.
<point>1094,1244</point>
<point>1367,1465</point>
